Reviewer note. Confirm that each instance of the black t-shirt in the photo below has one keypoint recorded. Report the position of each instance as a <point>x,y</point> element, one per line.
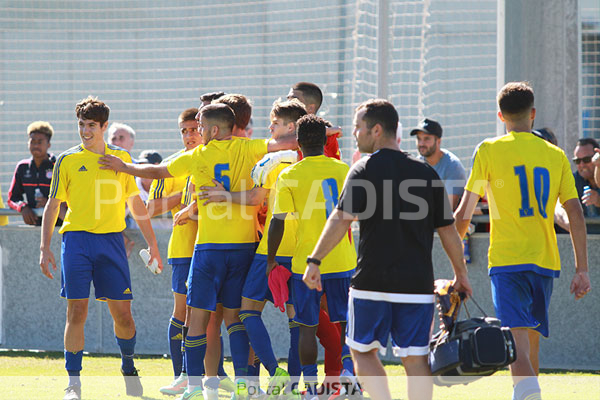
<point>399,201</point>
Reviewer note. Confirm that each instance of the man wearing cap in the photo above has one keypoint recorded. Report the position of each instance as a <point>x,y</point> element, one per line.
<point>446,164</point>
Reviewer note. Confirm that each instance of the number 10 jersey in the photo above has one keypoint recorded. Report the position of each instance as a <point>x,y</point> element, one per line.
<point>523,177</point>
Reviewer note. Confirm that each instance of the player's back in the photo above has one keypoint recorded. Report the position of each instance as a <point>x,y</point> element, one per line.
<point>313,186</point>
<point>526,176</point>
<point>227,225</point>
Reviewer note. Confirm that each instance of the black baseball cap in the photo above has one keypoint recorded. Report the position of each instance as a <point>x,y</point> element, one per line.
<point>149,157</point>
<point>428,126</point>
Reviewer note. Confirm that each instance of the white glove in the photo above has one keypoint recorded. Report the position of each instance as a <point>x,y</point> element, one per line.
<point>269,162</point>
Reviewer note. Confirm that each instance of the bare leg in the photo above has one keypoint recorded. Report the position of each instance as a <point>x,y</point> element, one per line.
<point>420,382</point>
<point>121,314</point>
<point>534,350</point>
<point>213,342</point>
<point>522,367</point>
<point>371,374</point>
<point>76,315</point>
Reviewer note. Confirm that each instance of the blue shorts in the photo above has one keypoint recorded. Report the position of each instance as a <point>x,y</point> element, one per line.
<point>256,286</point>
<point>218,276</point>
<point>373,316</point>
<point>100,258</point>
<point>521,299</point>
<point>179,276</point>
<point>307,301</point>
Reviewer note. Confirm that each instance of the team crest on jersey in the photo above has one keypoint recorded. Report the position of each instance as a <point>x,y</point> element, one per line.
<point>27,173</point>
<point>83,169</point>
<point>48,174</point>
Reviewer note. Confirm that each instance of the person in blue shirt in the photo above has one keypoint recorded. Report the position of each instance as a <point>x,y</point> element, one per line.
<point>446,164</point>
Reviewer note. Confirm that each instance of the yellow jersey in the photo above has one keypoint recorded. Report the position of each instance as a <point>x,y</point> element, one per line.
<point>95,197</point>
<point>523,177</point>
<point>181,242</point>
<point>288,242</point>
<point>223,225</point>
<point>310,189</point>
<point>4,219</point>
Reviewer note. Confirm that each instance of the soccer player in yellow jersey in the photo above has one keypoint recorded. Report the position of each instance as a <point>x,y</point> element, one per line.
<point>523,177</point>
<point>256,292</point>
<point>309,190</point>
<point>170,194</point>
<point>92,244</point>
<point>227,234</point>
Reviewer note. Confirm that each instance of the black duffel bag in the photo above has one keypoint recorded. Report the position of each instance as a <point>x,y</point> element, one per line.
<point>470,349</point>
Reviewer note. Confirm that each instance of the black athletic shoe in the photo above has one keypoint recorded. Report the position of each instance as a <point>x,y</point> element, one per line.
<point>133,385</point>
<point>73,393</point>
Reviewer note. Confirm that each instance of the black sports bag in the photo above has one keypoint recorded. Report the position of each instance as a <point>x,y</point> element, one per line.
<point>470,349</point>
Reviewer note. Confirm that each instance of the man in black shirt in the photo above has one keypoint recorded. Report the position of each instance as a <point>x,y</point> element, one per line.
<point>31,181</point>
<point>399,202</point>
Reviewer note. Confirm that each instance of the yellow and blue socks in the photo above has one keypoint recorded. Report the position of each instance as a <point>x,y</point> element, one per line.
<point>184,331</point>
<point>260,340</point>
<point>527,389</point>
<point>175,333</point>
<point>127,347</point>
<point>73,366</point>
<point>310,378</point>
<point>347,363</point>
<point>221,372</point>
<point>294,366</point>
<point>240,348</point>
<point>195,350</point>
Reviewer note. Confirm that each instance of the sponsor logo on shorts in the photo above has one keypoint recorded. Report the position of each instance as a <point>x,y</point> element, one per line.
<point>127,291</point>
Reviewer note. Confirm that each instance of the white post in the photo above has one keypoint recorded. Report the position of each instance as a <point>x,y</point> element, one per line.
<point>382,49</point>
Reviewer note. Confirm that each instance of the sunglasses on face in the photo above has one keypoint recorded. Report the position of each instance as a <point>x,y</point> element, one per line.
<point>584,160</point>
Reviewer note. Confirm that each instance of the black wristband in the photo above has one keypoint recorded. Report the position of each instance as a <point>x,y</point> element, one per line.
<point>315,261</point>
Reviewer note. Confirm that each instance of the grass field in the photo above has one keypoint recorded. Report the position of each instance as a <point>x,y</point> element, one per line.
<point>32,376</point>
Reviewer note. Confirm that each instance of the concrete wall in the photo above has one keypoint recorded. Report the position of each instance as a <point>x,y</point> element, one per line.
<point>33,315</point>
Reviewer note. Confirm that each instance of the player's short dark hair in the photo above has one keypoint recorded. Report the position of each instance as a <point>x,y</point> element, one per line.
<point>311,93</point>
<point>219,114</point>
<point>288,110</point>
<point>382,112</point>
<point>210,96</point>
<point>42,127</point>
<point>588,141</point>
<point>241,107</point>
<point>515,99</point>
<point>92,108</point>
<point>311,132</point>
<point>188,115</point>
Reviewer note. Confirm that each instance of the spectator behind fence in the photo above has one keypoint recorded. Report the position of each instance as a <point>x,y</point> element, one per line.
<point>31,181</point>
<point>121,135</point>
<point>584,177</point>
<point>445,163</point>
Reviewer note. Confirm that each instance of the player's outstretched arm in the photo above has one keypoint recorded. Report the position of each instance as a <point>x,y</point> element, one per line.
<point>464,212</point>
<point>580,285</point>
<point>453,248</point>
<point>140,214</point>
<point>162,205</point>
<point>48,221</point>
<point>218,194</point>
<point>287,142</point>
<point>148,171</point>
